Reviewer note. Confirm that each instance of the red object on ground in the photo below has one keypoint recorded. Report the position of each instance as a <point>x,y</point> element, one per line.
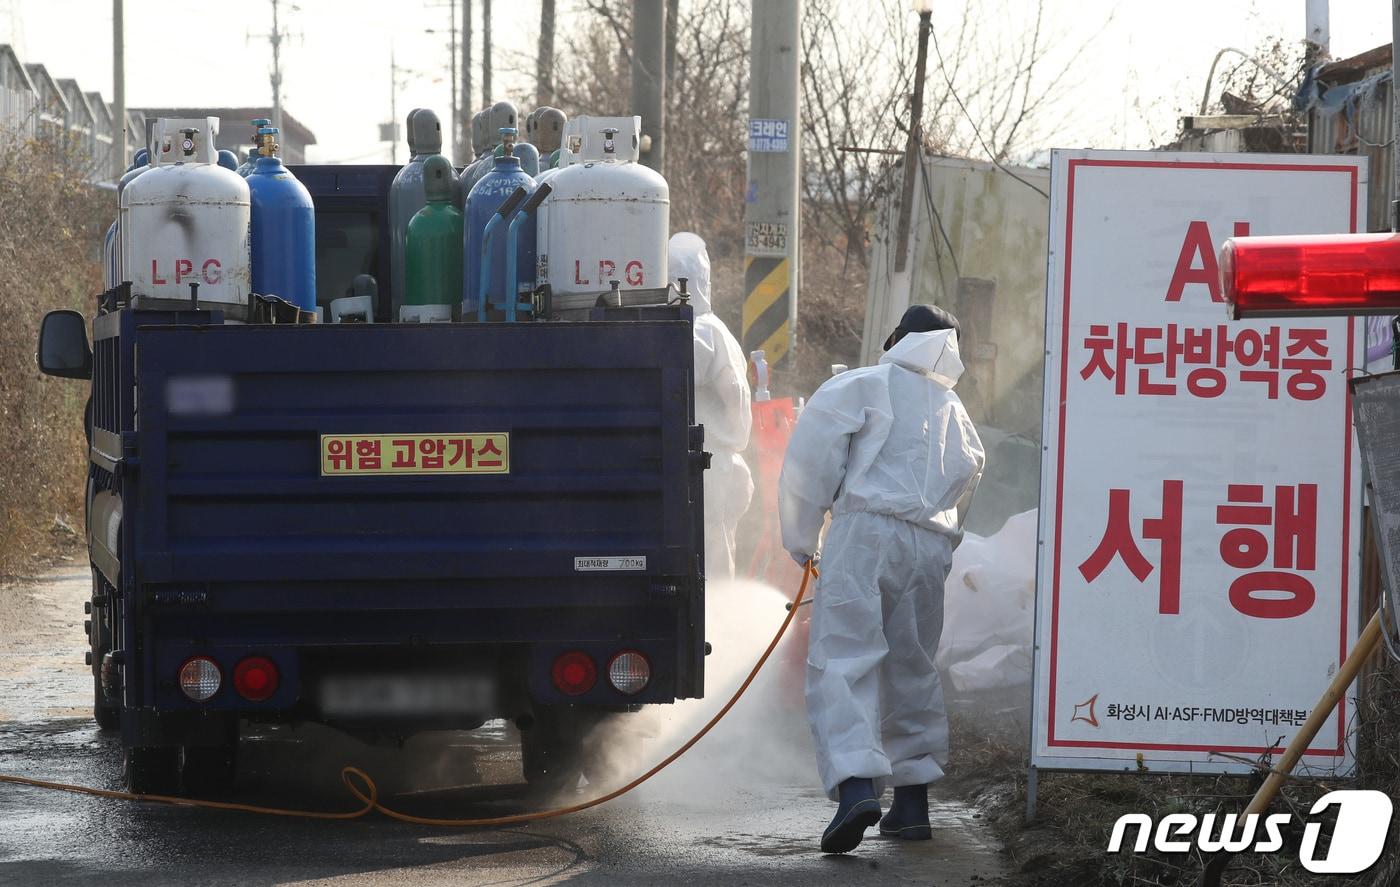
<point>1316,275</point>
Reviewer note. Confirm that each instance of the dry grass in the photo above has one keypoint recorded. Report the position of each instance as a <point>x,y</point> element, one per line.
<point>1067,843</point>
<point>51,228</point>
<point>832,309</point>
<point>1378,753</point>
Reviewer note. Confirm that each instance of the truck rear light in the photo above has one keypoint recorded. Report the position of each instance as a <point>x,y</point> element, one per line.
<point>629,672</point>
<point>200,678</point>
<point>574,673</point>
<point>1316,275</point>
<point>255,678</point>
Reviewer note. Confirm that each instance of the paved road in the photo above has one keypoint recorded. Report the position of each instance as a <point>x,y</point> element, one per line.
<point>739,809</point>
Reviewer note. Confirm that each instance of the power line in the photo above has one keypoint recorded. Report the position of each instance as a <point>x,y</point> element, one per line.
<point>991,155</point>
<point>937,217</point>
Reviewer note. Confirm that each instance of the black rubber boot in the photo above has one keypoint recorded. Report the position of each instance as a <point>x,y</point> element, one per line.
<point>908,816</point>
<point>859,810</point>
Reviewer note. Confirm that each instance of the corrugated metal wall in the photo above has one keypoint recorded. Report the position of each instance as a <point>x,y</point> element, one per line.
<point>1363,127</point>
<point>18,110</point>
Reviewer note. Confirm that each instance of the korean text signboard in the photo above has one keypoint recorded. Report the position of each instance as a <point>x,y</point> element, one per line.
<point>1200,496</point>
<point>768,136</point>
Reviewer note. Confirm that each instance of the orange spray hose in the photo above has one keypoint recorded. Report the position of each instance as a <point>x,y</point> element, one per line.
<point>359,783</point>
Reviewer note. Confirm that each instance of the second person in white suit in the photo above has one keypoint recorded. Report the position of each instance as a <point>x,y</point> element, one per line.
<point>722,405</point>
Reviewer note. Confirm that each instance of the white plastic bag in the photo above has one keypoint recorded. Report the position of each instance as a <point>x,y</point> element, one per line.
<point>989,608</point>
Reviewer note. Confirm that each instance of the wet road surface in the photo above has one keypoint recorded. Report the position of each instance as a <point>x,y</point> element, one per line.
<point>741,808</point>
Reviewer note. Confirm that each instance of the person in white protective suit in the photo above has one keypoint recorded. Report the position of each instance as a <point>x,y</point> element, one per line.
<point>890,451</point>
<point>721,405</point>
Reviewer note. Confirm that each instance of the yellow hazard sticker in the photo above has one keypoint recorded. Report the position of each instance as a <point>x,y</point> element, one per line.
<point>467,453</point>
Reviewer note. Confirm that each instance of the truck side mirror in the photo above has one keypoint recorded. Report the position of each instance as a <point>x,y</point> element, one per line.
<point>63,346</point>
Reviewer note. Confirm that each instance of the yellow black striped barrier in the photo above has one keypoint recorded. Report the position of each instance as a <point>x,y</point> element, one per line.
<point>768,292</point>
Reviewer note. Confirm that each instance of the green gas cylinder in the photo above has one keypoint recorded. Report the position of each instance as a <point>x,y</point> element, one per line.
<point>433,250</point>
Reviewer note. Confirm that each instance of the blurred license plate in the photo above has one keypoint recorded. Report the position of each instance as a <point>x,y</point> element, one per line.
<point>407,695</point>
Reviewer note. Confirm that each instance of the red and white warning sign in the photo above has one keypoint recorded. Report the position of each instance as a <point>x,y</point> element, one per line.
<point>1200,495</point>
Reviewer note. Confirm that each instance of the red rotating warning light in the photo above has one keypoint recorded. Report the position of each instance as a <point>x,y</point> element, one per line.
<point>1315,275</point>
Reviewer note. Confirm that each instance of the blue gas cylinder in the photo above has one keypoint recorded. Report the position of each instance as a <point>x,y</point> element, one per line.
<point>139,164</point>
<point>283,229</point>
<point>486,196</point>
<point>529,157</point>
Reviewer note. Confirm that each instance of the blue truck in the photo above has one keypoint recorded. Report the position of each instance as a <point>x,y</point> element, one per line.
<point>387,528</point>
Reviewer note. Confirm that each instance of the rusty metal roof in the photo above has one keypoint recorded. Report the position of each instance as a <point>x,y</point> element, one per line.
<point>1357,67</point>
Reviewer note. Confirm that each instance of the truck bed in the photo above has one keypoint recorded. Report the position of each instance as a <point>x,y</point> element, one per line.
<point>234,538</point>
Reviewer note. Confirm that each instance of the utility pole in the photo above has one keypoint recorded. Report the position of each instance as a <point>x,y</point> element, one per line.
<point>648,78</point>
<point>452,134</point>
<point>486,53</point>
<point>1319,39</point>
<point>463,122</point>
<point>118,91</point>
<point>673,17</point>
<point>772,210</point>
<point>913,150</point>
<point>393,108</point>
<point>544,62</point>
<point>275,38</point>
<point>452,120</point>
<point>1394,116</point>
<point>391,132</point>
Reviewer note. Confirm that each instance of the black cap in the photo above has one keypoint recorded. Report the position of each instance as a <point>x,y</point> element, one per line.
<point>922,319</point>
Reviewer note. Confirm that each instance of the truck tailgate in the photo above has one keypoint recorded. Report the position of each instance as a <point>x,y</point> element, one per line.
<point>602,463</point>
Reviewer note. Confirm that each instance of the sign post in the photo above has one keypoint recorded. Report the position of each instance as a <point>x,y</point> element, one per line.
<point>1200,499</point>
<point>772,222</point>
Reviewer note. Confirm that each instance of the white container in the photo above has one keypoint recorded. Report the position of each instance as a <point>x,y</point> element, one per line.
<point>607,218</point>
<point>587,138</point>
<point>186,221</point>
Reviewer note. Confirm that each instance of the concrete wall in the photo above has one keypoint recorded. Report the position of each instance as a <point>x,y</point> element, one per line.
<point>986,264</point>
<point>978,248</point>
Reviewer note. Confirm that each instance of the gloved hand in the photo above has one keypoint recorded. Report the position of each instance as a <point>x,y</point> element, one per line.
<point>801,557</point>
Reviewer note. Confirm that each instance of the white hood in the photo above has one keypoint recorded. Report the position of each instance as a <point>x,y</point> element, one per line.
<point>933,354</point>
<point>688,258</point>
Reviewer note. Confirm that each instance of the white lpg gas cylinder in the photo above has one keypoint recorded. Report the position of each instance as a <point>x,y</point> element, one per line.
<point>607,218</point>
<point>185,221</point>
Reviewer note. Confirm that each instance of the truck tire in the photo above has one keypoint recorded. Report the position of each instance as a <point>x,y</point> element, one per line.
<point>106,712</point>
<point>153,770</point>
